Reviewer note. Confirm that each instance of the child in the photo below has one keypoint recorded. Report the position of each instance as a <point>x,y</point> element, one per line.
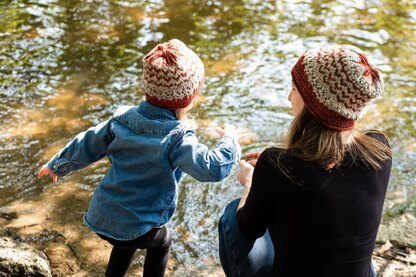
<point>149,147</point>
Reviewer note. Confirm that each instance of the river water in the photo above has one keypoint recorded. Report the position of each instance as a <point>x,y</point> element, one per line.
<point>67,65</point>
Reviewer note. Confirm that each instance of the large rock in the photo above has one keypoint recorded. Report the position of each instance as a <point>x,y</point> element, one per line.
<point>19,259</point>
<point>400,231</point>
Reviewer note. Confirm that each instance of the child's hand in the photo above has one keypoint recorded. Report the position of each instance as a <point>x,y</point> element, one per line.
<point>44,170</point>
<point>252,157</point>
<point>228,130</point>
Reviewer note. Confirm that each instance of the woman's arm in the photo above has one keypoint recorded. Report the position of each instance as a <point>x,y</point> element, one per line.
<point>245,176</point>
<point>254,209</point>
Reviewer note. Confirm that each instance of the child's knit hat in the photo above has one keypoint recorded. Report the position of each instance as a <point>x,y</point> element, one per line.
<point>336,83</point>
<point>172,75</point>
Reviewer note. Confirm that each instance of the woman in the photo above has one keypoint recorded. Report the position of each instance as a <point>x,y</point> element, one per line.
<point>315,205</point>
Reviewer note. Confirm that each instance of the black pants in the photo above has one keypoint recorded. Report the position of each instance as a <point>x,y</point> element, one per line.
<point>157,242</point>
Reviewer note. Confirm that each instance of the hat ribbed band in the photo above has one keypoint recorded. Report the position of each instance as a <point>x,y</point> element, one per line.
<point>326,116</point>
<point>174,104</point>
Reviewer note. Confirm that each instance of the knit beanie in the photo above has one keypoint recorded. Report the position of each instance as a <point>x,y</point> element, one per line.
<point>172,75</point>
<point>336,83</point>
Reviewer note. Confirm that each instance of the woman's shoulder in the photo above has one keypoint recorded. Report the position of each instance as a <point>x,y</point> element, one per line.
<point>271,152</point>
<point>270,156</point>
<point>274,152</point>
<point>375,134</point>
<point>280,158</point>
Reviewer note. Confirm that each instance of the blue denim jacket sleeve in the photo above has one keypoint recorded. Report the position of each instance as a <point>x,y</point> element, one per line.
<point>203,164</point>
<point>86,148</point>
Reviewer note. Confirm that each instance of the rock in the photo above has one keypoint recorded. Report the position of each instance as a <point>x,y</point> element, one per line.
<point>399,230</point>
<point>20,259</point>
<point>62,259</point>
<point>394,261</point>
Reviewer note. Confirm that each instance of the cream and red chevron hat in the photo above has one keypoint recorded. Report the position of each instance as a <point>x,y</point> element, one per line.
<point>172,75</point>
<point>336,83</point>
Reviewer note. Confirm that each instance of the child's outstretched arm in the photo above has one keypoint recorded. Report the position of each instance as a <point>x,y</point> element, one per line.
<point>85,149</point>
<point>203,164</point>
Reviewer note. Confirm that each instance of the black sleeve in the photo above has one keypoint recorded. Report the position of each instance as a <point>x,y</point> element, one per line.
<point>253,216</point>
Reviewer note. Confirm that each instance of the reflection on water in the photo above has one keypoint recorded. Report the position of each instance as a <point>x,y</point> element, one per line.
<point>66,65</point>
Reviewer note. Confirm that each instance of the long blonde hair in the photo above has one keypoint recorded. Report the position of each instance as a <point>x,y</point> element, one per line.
<point>311,141</point>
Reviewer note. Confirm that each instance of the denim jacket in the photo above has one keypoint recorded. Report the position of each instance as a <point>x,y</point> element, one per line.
<point>149,149</point>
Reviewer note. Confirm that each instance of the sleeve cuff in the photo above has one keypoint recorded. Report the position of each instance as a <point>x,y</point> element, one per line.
<point>56,166</point>
<point>234,142</point>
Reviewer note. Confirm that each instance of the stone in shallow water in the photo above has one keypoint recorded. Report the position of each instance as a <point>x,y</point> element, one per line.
<point>19,259</point>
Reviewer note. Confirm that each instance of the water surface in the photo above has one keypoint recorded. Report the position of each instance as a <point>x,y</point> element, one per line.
<point>67,65</point>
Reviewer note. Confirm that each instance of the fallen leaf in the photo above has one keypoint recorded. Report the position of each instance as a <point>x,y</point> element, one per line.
<point>385,247</point>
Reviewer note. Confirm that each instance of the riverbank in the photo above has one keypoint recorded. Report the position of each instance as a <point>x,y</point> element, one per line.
<point>394,261</point>
<point>72,250</point>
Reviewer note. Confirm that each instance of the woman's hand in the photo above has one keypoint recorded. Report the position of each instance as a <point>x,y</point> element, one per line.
<point>227,130</point>
<point>252,157</point>
<point>44,170</point>
<point>245,174</point>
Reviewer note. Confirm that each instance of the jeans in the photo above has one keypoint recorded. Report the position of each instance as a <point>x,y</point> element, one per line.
<point>240,256</point>
<point>243,257</point>
<point>157,242</point>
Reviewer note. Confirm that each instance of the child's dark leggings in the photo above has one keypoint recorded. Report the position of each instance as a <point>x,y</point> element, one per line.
<point>157,242</point>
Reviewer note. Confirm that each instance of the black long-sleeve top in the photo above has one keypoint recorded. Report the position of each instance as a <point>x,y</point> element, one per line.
<point>325,223</point>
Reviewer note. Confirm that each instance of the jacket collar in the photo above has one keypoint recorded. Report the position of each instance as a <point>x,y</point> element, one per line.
<point>152,111</point>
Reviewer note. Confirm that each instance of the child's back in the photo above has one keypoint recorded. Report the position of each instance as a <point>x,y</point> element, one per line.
<point>149,149</point>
